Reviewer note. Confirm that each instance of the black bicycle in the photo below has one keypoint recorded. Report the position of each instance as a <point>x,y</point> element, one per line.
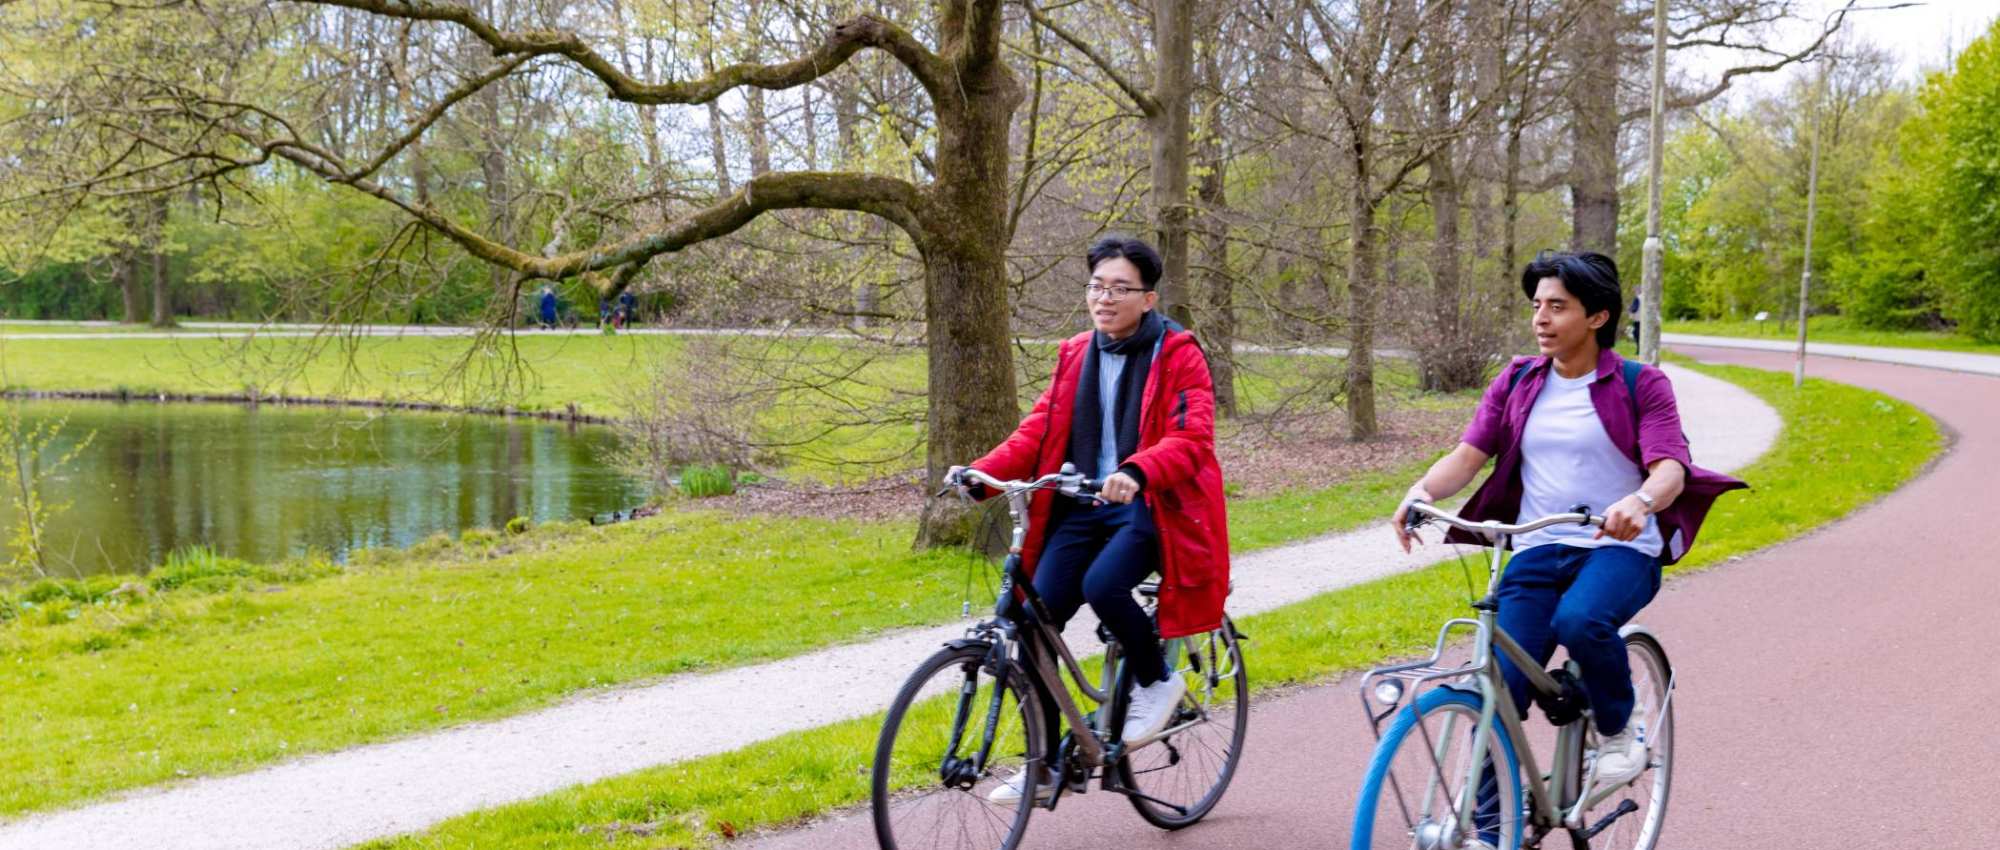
<point>968,720</point>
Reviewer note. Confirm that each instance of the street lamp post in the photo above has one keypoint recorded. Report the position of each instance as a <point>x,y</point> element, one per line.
<point>1652,284</point>
<point>1812,210</point>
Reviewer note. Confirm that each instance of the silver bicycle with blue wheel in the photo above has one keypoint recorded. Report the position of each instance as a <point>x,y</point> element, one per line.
<point>1453,759</point>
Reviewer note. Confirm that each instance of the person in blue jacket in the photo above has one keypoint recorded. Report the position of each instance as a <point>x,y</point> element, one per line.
<point>548,304</point>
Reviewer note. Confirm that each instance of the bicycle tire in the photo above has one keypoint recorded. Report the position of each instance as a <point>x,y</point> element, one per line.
<point>909,783</point>
<point>1214,686</point>
<point>1651,674</point>
<point>1404,759</point>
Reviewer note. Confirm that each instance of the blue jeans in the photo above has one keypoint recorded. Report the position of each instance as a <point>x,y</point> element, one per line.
<point>1579,598</point>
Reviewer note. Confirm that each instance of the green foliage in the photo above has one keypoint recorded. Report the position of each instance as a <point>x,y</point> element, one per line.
<point>1907,235</point>
<point>28,454</point>
<point>1959,153</point>
<point>701,482</point>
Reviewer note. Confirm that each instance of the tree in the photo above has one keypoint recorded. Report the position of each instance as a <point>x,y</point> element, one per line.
<point>1601,49</point>
<point>226,124</point>
<point>1166,105</point>
<point>1960,160</point>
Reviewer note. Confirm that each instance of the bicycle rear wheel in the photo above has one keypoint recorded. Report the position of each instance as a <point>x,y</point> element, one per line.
<point>1653,720</point>
<point>928,786</point>
<point>1423,778</point>
<point>1186,772</point>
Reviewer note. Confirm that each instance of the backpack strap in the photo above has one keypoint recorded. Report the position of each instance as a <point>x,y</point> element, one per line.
<point>1514,379</point>
<point>1630,369</point>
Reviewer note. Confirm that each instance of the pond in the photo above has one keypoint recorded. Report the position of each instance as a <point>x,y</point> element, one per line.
<point>261,483</point>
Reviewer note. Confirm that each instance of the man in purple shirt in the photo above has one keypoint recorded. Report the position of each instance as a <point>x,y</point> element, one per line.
<point>1577,425</point>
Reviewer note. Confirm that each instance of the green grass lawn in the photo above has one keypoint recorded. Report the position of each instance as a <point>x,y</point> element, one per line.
<point>846,405</point>
<point>1836,329</point>
<point>110,690</point>
<point>1877,442</point>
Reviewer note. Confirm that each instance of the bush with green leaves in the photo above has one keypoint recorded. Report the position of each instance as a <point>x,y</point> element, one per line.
<point>702,481</point>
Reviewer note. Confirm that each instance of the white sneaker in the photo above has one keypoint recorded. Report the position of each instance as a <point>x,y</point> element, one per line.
<point>1008,793</point>
<point>1153,707</point>
<point>1620,758</point>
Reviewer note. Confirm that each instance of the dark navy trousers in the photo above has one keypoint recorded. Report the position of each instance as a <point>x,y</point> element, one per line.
<point>1556,594</point>
<point>1098,554</point>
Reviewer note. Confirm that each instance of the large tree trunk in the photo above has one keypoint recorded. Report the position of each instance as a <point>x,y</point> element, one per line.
<point>1442,367</point>
<point>1218,280</point>
<point>718,140</point>
<point>760,132</point>
<point>1173,85</point>
<point>755,115</point>
<point>1449,360</point>
<point>128,277</point>
<point>1362,265</point>
<point>1593,99</point>
<point>973,405</point>
<point>156,250</point>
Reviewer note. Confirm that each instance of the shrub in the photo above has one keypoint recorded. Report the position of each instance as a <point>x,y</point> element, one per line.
<point>703,481</point>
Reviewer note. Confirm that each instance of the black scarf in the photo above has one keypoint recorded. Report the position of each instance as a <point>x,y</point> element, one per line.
<point>1086,428</point>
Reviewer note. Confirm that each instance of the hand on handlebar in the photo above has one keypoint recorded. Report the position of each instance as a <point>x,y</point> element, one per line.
<point>954,479</point>
<point>1401,520</point>
<point>1119,489</point>
<point>1624,521</point>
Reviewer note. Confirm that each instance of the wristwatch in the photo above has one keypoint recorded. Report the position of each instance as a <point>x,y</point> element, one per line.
<point>1650,504</point>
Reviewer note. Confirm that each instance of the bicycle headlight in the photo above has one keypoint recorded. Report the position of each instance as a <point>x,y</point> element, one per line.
<point>1389,691</point>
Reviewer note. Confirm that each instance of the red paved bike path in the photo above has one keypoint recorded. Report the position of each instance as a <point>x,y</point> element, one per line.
<point>1837,691</point>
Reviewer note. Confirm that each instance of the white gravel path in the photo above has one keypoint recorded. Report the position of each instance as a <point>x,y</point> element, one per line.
<point>338,799</point>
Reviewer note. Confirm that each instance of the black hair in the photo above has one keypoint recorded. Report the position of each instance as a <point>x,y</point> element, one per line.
<point>1590,276</point>
<point>1133,250</point>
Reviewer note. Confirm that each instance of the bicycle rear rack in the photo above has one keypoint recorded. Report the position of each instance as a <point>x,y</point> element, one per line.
<point>1415,673</point>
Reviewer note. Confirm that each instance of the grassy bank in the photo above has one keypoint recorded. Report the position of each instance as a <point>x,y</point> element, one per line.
<point>1877,442</point>
<point>1836,329</point>
<point>830,410</point>
<point>209,665</point>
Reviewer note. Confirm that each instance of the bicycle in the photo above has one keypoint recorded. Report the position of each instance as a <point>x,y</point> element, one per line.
<point>969,718</point>
<point>1448,772</point>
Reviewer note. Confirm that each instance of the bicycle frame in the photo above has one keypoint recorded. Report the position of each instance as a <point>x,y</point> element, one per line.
<point>1048,648</point>
<point>1561,798</point>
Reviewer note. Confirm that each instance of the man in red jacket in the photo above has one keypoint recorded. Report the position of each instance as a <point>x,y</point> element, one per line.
<point>1130,403</point>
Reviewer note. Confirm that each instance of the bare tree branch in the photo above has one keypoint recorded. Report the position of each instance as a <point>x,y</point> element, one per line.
<point>847,38</point>
<point>1145,100</point>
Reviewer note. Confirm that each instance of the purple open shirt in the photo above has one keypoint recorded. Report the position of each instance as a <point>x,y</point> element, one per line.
<point>1496,430</point>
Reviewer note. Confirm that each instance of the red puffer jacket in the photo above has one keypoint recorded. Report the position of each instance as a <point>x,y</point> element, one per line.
<point>1177,455</point>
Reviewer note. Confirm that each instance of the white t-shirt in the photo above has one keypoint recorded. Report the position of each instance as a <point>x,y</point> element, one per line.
<point>1566,460</point>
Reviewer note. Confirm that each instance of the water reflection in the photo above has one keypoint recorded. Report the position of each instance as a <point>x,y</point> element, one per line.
<point>261,483</point>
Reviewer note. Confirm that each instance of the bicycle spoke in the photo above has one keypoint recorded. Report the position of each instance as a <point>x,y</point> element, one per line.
<point>926,797</point>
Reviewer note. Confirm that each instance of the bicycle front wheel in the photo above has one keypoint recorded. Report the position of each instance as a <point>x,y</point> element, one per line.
<point>1653,721</point>
<point>955,734</point>
<point>1423,780</point>
<point>1183,774</point>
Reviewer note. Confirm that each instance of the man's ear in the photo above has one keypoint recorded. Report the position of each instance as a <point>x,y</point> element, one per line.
<point>1598,319</point>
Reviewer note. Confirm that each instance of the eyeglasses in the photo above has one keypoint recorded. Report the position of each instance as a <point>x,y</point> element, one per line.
<point>1108,294</point>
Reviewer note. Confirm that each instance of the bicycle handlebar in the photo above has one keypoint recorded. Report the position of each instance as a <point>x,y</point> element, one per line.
<point>1423,512</point>
<point>1067,481</point>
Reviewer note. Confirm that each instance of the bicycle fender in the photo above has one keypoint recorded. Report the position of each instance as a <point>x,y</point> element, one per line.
<point>1630,629</point>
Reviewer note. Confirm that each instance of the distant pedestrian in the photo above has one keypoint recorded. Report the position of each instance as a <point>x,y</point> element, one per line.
<point>548,305</point>
<point>628,308</point>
